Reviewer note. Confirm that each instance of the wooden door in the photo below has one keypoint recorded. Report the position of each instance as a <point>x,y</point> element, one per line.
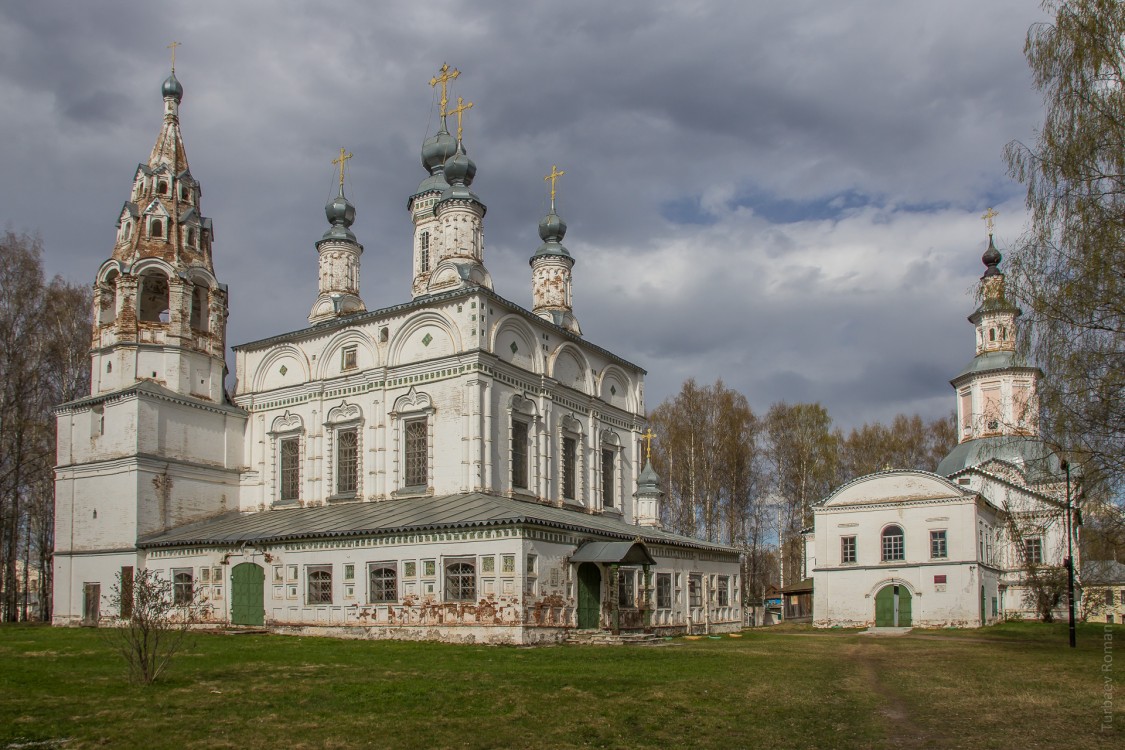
<point>91,603</point>
<point>885,607</point>
<point>589,596</point>
<point>247,597</point>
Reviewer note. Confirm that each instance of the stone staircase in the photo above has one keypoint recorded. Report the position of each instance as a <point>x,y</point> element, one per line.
<point>606,638</point>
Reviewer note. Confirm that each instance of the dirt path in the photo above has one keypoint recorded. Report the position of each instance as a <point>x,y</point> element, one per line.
<point>873,664</point>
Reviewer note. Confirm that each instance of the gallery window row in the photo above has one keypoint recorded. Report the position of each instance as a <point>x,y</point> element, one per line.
<point>450,579</point>
<point>415,439</point>
<point>892,546</point>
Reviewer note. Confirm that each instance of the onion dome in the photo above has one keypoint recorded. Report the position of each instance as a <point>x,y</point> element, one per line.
<point>172,88</point>
<point>341,214</point>
<point>991,259</point>
<point>438,148</point>
<point>648,482</point>
<point>551,230</point>
<point>459,173</point>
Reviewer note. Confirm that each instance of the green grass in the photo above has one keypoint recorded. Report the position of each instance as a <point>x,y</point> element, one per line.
<point>1014,685</point>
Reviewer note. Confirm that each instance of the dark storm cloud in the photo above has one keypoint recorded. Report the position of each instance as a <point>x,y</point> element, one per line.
<point>781,195</point>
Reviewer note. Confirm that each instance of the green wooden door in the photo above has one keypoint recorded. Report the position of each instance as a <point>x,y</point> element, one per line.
<point>589,596</point>
<point>247,592</point>
<point>892,607</point>
<point>903,607</point>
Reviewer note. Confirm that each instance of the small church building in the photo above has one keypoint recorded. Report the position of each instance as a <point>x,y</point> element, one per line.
<point>969,544</point>
<point>451,467</point>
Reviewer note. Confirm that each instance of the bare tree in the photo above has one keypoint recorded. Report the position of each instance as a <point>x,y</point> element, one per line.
<point>1068,272</point>
<point>44,342</point>
<point>803,456</point>
<point>907,443</point>
<point>153,625</point>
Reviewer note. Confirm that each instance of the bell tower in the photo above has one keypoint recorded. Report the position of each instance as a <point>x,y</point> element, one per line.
<point>550,269</point>
<point>997,394</point>
<point>159,311</point>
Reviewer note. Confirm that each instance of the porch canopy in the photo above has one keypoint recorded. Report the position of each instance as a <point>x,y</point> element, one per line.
<point>622,553</point>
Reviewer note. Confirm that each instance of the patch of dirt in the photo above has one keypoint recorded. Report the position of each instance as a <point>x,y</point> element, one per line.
<point>900,727</point>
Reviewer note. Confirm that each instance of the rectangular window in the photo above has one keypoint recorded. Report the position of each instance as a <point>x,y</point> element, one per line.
<point>460,581</point>
<point>724,591</point>
<point>938,545</point>
<point>1109,597</point>
<point>626,589</point>
<point>347,461</point>
<point>383,582</point>
<point>410,569</point>
<point>608,454</point>
<point>508,563</point>
<point>349,572</point>
<point>319,584</point>
<point>488,564</point>
<point>966,411</point>
<point>348,358</point>
<point>847,549</point>
<point>429,568</point>
<point>416,455</point>
<point>663,590</point>
<point>1033,550</point>
<point>991,397</point>
<point>519,454</point>
<point>532,565</point>
<point>290,468</point>
<point>183,587</point>
<point>569,456</point>
<point>695,591</point>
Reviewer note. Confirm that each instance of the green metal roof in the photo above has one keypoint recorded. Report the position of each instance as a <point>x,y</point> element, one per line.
<point>449,512</point>
<point>1031,455</point>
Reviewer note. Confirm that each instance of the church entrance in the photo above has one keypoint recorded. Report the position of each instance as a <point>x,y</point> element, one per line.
<point>892,607</point>
<point>589,596</point>
<point>247,595</point>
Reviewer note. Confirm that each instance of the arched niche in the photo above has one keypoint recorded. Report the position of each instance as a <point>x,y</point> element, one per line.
<point>427,335</point>
<point>153,296</point>
<point>615,387</point>
<point>285,365</point>
<point>571,368</point>
<point>514,341</point>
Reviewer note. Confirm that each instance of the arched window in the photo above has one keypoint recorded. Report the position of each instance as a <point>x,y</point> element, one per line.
<point>460,581</point>
<point>191,238</point>
<point>893,547</point>
<point>319,589</point>
<point>153,294</point>
<point>156,228</point>
<point>384,583</point>
<point>162,187</point>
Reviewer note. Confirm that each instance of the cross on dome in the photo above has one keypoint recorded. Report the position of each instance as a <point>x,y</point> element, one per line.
<point>988,216</point>
<point>553,177</point>
<point>344,156</point>
<point>446,76</point>
<point>462,106</point>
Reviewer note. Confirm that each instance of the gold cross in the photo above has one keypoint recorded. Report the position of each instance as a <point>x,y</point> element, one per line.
<point>553,177</point>
<point>445,77</point>
<point>344,156</point>
<point>988,216</point>
<point>172,47</point>
<point>648,436</point>
<point>461,107</point>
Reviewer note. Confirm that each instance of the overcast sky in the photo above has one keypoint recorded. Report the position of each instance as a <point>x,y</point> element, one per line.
<point>784,195</point>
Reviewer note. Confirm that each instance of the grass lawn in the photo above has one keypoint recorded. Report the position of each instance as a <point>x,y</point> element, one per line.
<point>1010,686</point>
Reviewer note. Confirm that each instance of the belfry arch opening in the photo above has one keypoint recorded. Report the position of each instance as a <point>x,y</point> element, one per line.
<point>152,298</point>
<point>107,299</point>
<point>199,315</point>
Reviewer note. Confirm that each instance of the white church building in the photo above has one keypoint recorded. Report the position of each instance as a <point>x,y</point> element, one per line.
<point>955,547</point>
<point>451,467</point>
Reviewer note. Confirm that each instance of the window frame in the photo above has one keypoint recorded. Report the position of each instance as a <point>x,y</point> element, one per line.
<point>568,468</point>
<point>520,454</point>
<point>352,466</point>
<point>183,592</point>
<point>454,587</point>
<point>890,551</point>
<point>849,550</point>
<point>349,358</point>
<point>939,544</point>
<point>695,590</point>
<point>609,476</point>
<point>627,588</point>
<point>1033,550</point>
<point>289,477</point>
<point>722,586</point>
<point>387,585</point>
<point>664,598</point>
<point>415,481</point>
<point>323,585</point>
